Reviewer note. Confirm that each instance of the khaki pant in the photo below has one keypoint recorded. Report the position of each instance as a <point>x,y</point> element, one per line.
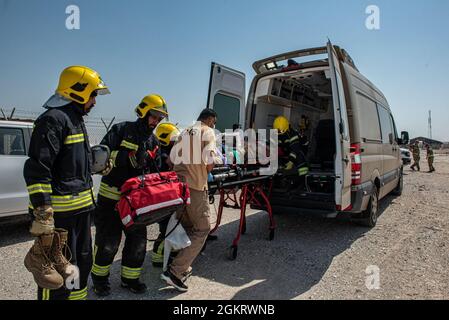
<point>415,162</point>
<point>196,222</point>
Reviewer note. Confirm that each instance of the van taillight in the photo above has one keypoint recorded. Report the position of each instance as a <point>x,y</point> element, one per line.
<point>356,159</point>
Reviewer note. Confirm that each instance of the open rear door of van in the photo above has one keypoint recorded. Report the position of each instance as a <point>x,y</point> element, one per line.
<point>227,96</point>
<point>342,156</point>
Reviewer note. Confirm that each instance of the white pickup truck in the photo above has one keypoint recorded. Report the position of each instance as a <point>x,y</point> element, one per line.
<point>14,142</point>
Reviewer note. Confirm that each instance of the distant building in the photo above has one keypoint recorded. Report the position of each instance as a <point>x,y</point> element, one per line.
<point>434,143</point>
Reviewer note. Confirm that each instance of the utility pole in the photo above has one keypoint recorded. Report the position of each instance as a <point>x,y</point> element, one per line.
<point>430,124</point>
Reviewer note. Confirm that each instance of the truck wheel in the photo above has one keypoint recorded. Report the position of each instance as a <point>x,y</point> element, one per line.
<point>398,190</point>
<point>369,216</point>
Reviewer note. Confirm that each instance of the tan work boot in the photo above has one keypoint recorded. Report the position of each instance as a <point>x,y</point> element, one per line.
<point>37,262</point>
<point>43,222</point>
<point>58,253</point>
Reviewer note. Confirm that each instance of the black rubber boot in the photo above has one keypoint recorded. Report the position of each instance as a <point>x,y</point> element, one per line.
<point>134,285</point>
<point>102,288</point>
<point>157,256</point>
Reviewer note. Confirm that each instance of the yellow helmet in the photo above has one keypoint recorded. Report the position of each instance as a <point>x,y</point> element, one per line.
<point>281,124</point>
<point>152,103</point>
<point>167,132</point>
<point>77,83</point>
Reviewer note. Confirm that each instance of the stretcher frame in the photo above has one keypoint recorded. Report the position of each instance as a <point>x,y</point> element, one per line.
<point>250,190</point>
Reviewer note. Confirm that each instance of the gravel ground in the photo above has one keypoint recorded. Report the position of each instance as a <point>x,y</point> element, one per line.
<point>310,257</point>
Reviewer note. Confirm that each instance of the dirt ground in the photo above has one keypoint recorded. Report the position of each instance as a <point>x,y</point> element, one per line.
<point>404,257</point>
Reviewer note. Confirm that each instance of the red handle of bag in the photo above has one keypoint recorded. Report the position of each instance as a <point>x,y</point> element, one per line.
<point>152,154</point>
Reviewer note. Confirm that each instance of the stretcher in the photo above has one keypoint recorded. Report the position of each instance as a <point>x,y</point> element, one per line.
<point>254,190</point>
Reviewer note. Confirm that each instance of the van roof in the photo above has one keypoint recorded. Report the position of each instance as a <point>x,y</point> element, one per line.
<point>273,63</point>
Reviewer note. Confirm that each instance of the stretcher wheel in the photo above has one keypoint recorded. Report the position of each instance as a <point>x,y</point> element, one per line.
<point>232,252</point>
<point>271,234</point>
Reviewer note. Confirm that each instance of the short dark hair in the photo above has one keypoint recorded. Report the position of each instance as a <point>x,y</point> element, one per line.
<point>206,114</point>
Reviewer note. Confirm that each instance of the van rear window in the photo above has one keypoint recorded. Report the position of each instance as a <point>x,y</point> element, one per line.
<point>228,110</point>
<point>296,63</point>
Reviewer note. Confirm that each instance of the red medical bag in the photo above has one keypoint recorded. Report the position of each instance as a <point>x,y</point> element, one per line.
<point>151,198</point>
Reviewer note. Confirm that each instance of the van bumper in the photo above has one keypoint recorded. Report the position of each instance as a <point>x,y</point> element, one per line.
<point>308,203</point>
<point>360,196</point>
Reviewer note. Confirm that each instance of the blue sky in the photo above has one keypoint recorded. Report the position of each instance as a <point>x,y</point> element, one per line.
<point>166,47</point>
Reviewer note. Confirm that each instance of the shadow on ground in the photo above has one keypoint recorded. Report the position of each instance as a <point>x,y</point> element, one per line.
<point>291,264</point>
<point>14,230</point>
<point>300,254</point>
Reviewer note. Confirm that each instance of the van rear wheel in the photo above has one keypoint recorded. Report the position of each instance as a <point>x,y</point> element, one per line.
<point>369,216</point>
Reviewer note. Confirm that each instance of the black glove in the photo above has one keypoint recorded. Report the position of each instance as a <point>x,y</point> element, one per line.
<point>139,158</point>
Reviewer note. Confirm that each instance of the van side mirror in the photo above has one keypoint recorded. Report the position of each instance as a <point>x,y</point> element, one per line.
<point>404,138</point>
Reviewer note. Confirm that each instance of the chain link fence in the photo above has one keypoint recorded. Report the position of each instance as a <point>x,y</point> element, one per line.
<point>96,127</point>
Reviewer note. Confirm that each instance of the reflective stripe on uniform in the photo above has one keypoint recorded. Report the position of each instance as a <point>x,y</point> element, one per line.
<point>100,271</point>
<point>109,192</point>
<point>133,161</point>
<point>70,202</point>
<point>39,188</point>
<point>45,294</point>
<point>158,256</point>
<point>292,155</point>
<point>129,145</point>
<point>293,139</point>
<point>74,138</point>
<point>303,171</point>
<point>131,273</point>
<point>78,295</point>
<point>114,156</point>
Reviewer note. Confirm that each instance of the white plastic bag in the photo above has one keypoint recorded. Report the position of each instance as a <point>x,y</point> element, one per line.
<point>176,240</point>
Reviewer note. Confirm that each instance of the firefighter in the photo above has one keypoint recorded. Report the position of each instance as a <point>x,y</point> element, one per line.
<point>166,133</point>
<point>292,146</point>
<point>131,144</point>
<point>303,142</point>
<point>304,123</point>
<point>59,183</point>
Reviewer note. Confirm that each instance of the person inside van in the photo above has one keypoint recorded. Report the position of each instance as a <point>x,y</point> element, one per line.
<point>291,156</point>
<point>303,142</point>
